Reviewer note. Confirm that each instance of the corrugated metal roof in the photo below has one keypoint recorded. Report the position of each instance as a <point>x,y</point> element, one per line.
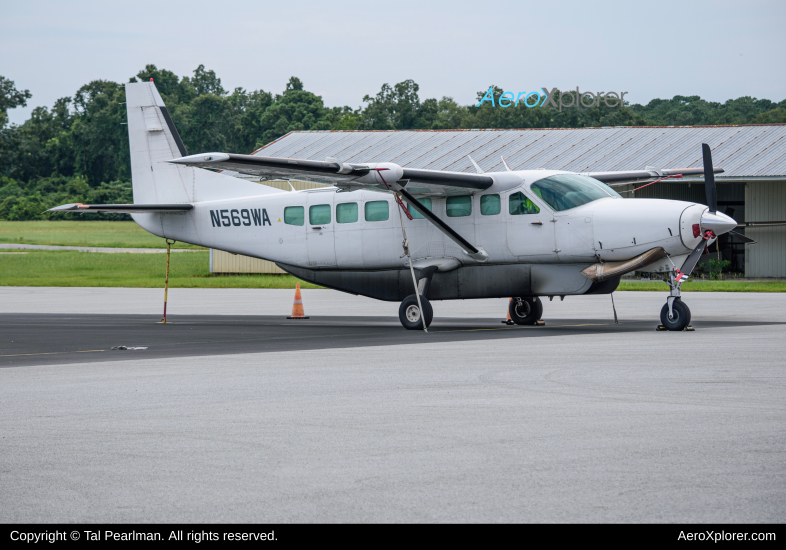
<point>742,151</point>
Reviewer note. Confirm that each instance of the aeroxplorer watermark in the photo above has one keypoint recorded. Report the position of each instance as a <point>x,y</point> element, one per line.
<point>545,96</point>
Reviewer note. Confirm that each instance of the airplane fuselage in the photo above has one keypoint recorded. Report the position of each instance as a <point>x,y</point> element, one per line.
<point>325,230</point>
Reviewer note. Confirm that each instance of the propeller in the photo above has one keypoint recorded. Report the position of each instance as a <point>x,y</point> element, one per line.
<point>743,238</point>
<point>713,224</point>
<point>709,179</point>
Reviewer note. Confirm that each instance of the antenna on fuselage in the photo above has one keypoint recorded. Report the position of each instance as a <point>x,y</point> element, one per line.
<point>505,163</point>
<point>475,164</point>
<point>291,186</point>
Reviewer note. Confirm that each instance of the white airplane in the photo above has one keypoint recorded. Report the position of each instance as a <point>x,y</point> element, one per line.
<point>522,234</point>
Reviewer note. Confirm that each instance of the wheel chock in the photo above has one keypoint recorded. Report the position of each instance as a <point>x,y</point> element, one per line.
<point>686,329</point>
<point>540,323</point>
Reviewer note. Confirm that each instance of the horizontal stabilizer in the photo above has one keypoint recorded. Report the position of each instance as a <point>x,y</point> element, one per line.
<point>123,208</point>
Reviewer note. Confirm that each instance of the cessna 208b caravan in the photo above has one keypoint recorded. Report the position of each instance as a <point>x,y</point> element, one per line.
<point>519,233</point>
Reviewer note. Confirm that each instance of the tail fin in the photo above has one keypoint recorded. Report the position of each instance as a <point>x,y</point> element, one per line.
<point>153,139</point>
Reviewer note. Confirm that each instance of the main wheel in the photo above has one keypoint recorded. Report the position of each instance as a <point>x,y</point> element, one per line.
<point>409,313</point>
<point>525,311</point>
<point>680,318</point>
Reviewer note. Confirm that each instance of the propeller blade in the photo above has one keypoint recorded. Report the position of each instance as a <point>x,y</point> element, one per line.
<point>693,259</point>
<point>743,238</point>
<point>709,179</point>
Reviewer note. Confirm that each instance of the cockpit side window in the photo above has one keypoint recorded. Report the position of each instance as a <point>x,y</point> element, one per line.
<point>566,191</point>
<point>519,204</point>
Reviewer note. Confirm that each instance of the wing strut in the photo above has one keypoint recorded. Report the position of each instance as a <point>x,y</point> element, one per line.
<point>471,251</point>
<point>405,244</point>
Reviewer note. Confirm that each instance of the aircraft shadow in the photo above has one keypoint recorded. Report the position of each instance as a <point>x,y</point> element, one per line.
<point>39,339</point>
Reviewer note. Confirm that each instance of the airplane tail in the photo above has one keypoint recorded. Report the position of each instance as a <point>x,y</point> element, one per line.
<point>153,140</point>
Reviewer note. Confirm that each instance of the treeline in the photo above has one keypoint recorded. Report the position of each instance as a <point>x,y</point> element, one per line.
<point>77,151</point>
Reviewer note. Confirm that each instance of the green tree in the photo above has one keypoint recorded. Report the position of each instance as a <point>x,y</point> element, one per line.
<point>11,98</point>
<point>296,109</point>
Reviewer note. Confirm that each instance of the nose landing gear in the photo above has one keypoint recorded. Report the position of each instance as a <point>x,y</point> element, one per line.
<point>675,315</point>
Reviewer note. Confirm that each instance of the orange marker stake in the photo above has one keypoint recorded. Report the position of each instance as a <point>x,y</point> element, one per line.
<point>508,321</point>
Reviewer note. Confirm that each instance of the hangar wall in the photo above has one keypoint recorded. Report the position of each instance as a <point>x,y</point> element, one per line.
<point>766,201</point>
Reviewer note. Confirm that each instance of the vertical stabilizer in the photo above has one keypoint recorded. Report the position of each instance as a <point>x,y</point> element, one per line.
<point>153,140</point>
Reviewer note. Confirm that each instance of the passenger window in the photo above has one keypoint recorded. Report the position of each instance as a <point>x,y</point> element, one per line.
<point>294,215</point>
<point>519,204</point>
<point>377,211</point>
<point>347,212</point>
<point>459,206</point>
<point>426,203</point>
<point>319,214</point>
<point>490,205</point>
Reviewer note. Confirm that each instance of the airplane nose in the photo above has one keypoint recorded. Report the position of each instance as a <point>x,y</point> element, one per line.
<point>717,223</point>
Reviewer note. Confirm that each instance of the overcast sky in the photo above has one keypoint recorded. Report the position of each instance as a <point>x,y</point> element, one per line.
<point>343,50</point>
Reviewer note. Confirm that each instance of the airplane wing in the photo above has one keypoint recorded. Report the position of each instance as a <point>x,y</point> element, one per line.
<point>123,208</point>
<point>614,179</point>
<point>346,176</point>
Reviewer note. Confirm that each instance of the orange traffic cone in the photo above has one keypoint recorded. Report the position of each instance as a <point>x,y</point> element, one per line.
<point>297,307</point>
<point>508,321</point>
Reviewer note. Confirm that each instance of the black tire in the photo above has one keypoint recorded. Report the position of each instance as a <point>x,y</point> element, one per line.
<point>681,317</point>
<point>525,311</point>
<point>409,314</point>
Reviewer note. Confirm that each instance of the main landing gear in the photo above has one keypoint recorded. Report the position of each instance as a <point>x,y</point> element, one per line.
<point>675,315</point>
<point>409,312</point>
<point>410,315</point>
<point>525,311</point>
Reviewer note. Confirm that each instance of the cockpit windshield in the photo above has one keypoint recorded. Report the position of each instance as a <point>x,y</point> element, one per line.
<point>566,191</point>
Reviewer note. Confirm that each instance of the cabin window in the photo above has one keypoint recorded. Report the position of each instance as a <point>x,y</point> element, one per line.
<point>490,205</point>
<point>347,212</point>
<point>459,206</point>
<point>519,204</point>
<point>426,203</point>
<point>294,215</point>
<point>319,214</point>
<point>377,211</point>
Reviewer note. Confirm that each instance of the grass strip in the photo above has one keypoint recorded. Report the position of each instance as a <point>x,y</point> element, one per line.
<point>83,233</point>
<point>707,286</point>
<point>94,269</point>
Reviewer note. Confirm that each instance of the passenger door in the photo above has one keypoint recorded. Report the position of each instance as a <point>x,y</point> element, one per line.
<point>319,229</point>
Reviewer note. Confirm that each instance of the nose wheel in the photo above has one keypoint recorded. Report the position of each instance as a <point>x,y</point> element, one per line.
<point>675,315</point>
<point>676,319</point>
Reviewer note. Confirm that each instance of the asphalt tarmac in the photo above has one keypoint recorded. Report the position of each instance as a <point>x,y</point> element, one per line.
<point>40,339</point>
<point>240,416</point>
